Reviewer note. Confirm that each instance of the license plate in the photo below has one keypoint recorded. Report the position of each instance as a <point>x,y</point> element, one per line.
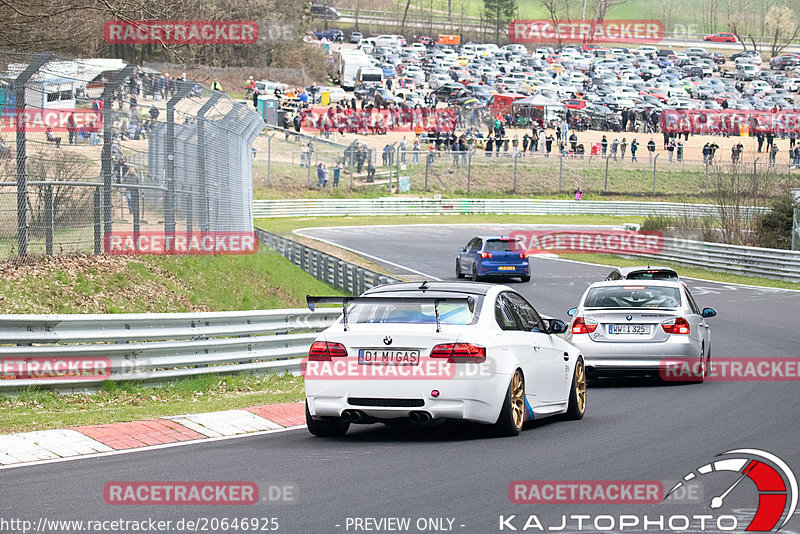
<point>506,268</point>
<point>388,356</point>
<point>629,329</point>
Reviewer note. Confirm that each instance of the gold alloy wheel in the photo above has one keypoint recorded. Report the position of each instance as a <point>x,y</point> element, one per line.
<point>580,386</point>
<point>518,399</point>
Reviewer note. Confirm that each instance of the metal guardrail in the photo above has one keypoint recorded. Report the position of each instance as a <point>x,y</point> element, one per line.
<point>750,261</point>
<point>503,206</point>
<point>333,271</point>
<point>156,347</point>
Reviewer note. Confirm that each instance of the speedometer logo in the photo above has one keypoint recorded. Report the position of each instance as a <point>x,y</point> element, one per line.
<point>775,481</point>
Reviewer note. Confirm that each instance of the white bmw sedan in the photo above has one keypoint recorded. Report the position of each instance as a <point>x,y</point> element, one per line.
<point>635,326</point>
<point>418,354</point>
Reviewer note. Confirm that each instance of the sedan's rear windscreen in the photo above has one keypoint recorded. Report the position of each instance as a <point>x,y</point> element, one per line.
<point>500,245</point>
<point>449,313</point>
<point>633,296</point>
<point>652,274</point>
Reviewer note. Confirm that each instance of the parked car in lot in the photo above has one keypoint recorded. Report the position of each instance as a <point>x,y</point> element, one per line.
<point>356,37</point>
<point>409,354</point>
<point>493,256</point>
<point>631,326</point>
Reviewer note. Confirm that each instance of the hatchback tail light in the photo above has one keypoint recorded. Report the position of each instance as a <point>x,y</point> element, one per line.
<point>460,353</point>
<point>679,326</point>
<point>323,351</point>
<point>524,255</point>
<point>580,326</point>
<point>486,254</point>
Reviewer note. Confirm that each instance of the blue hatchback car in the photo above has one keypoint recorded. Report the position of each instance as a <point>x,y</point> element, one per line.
<point>493,256</point>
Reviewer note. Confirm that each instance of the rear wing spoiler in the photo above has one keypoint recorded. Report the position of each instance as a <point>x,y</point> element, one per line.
<point>345,301</point>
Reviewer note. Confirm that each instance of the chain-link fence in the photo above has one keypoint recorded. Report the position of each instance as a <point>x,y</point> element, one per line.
<point>94,148</point>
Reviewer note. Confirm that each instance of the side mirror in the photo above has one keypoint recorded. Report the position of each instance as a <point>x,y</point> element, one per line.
<point>709,312</point>
<point>557,326</point>
<point>572,311</point>
<point>462,249</point>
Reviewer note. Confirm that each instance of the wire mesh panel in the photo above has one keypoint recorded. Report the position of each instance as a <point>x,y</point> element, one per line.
<point>91,148</point>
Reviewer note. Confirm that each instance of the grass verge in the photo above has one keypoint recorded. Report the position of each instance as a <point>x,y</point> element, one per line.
<point>42,409</point>
<point>115,284</point>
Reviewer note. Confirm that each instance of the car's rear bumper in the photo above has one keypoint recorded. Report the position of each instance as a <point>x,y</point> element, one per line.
<point>472,399</point>
<point>600,356</point>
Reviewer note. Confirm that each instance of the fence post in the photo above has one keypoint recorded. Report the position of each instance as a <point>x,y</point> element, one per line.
<point>308,162</point>
<point>655,160</point>
<point>560,171</point>
<point>169,198</point>
<point>105,158</point>
<point>515,174</point>
<point>706,175</point>
<point>605,187</point>
<point>49,219</point>
<point>189,213</point>
<point>202,180</point>
<point>97,220</point>
<point>22,156</point>
<point>796,229</point>
<point>427,166</point>
<point>755,163</point>
<point>269,158</point>
<point>469,169</point>
<point>136,215</point>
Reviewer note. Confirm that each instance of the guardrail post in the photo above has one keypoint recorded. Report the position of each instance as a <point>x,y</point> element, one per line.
<point>22,156</point>
<point>106,167</point>
<point>97,221</point>
<point>337,265</point>
<point>49,219</point>
<point>655,160</point>
<point>319,274</point>
<point>361,284</point>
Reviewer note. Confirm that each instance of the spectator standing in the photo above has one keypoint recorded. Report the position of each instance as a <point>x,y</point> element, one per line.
<point>670,149</point>
<point>614,148</point>
<point>634,148</point>
<point>651,149</point>
<point>679,150</point>
<point>623,146</point>
<point>578,193</point>
<point>604,146</point>
<point>773,152</point>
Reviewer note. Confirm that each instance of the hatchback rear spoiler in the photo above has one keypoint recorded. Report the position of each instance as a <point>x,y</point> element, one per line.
<point>345,301</point>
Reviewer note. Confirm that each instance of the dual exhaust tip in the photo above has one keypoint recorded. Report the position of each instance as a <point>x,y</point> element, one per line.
<point>356,416</point>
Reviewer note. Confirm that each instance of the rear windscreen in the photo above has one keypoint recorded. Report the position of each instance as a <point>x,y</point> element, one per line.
<point>449,313</point>
<point>652,275</point>
<point>499,245</point>
<point>633,297</point>
<point>371,78</point>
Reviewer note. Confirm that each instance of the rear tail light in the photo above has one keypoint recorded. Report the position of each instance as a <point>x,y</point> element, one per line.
<point>323,351</point>
<point>579,326</point>
<point>460,353</point>
<point>523,255</point>
<point>486,254</point>
<point>679,326</point>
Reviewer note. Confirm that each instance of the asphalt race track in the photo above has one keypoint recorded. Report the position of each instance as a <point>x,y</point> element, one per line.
<point>633,430</point>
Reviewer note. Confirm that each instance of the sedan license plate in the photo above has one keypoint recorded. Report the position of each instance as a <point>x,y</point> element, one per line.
<point>388,356</point>
<point>629,329</point>
<point>506,268</point>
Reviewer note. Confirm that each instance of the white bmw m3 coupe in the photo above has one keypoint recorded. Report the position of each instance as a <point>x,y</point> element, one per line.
<point>418,354</point>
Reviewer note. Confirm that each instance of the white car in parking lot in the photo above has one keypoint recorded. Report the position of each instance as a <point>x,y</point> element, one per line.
<point>633,326</point>
<point>420,354</point>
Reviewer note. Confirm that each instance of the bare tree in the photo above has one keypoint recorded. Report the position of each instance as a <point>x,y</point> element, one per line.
<point>782,27</point>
